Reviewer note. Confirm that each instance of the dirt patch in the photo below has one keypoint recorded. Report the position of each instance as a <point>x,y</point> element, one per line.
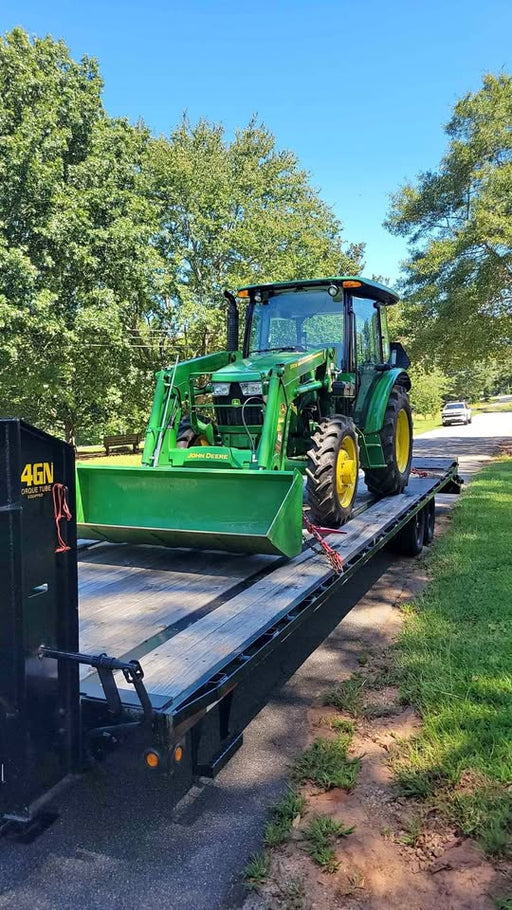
<point>399,854</point>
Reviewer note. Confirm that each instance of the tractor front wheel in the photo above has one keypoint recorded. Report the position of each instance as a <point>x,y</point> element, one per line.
<point>332,470</point>
<point>396,440</point>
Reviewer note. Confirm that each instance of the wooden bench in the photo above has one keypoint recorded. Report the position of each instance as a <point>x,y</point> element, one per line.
<point>128,439</point>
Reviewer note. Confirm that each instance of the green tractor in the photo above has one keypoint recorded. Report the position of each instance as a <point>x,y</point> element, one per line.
<point>317,392</point>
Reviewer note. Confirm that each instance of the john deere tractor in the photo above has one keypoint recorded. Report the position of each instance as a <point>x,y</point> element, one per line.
<point>316,392</point>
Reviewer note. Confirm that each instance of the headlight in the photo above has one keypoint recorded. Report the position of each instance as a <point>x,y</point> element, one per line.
<point>251,388</point>
<point>221,388</point>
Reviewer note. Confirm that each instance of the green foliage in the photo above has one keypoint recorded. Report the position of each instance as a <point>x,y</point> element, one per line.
<point>455,660</point>
<point>458,221</point>
<point>423,425</point>
<point>427,392</point>
<point>340,724</point>
<point>325,763</point>
<point>76,266</point>
<point>321,835</point>
<point>485,813</point>
<point>413,782</point>
<point>277,829</point>
<point>412,831</point>
<point>348,695</point>
<point>481,380</point>
<point>236,213</point>
<point>493,407</point>
<point>503,903</point>
<point>115,246</point>
<point>257,871</point>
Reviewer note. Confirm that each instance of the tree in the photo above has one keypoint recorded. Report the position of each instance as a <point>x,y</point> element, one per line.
<point>482,380</point>
<point>458,218</point>
<point>236,213</point>
<point>77,267</point>
<point>427,390</point>
<point>115,247</point>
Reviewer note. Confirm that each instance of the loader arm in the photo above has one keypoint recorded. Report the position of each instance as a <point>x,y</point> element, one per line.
<point>288,382</point>
<point>176,388</point>
<point>172,392</point>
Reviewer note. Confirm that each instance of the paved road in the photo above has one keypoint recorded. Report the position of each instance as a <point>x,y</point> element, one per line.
<point>472,444</point>
<point>121,844</point>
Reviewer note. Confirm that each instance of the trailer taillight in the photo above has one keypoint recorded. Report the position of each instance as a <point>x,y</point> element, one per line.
<point>151,758</point>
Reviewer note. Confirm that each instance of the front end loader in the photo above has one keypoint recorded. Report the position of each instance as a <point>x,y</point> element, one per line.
<point>316,392</point>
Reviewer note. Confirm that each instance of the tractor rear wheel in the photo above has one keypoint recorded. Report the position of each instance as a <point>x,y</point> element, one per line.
<point>332,470</point>
<point>396,440</point>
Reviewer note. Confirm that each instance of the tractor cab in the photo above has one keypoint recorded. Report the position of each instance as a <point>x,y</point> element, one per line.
<point>344,313</point>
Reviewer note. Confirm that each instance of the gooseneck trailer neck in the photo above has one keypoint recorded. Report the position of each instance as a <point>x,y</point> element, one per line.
<point>167,653</point>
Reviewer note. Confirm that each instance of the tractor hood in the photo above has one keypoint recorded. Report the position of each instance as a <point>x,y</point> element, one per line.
<point>259,366</point>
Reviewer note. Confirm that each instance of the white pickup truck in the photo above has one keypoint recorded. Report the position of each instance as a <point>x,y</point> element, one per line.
<point>455,412</point>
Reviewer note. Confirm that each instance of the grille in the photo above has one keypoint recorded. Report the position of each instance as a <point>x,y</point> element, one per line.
<point>232,417</point>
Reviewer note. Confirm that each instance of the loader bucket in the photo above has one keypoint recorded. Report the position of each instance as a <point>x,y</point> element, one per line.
<point>216,509</point>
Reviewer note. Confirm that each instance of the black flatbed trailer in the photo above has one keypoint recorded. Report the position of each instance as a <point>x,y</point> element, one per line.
<point>200,638</point>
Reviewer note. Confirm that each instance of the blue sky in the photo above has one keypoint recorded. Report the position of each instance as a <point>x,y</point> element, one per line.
<point>359,90</point>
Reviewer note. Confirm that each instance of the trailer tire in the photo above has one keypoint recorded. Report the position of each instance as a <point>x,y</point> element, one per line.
<point>430,521</point>
<point>396,441</point>
<point>332,471</point>
<point>409,540</point>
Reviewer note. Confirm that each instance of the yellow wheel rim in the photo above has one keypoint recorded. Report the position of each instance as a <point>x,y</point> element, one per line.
<point>346,471</point>
<point>402,440</point>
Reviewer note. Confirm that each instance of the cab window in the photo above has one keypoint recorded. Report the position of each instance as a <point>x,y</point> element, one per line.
<point>303,320</point>
<point>367,328</point>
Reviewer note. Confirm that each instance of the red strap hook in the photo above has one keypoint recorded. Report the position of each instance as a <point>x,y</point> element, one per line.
<point>333,557</point>
<point>60,510</point>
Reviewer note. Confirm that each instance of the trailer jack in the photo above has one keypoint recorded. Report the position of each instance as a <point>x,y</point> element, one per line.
<point>105,665</point>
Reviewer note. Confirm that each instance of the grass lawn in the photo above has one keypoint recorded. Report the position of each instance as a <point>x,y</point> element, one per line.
<point>112,459</point>
<point>423,424</point>
<point>455,665</point>
<point>492,407</point>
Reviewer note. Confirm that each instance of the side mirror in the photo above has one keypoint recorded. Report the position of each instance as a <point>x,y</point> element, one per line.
<point>398,356</point>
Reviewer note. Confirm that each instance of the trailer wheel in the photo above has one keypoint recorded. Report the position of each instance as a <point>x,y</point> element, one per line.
<point>332,471</point>
<point>396,441</point>
<point>409,540</point>
<point>430,521</point>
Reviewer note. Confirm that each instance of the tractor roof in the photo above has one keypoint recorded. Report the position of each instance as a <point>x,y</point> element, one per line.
<point>367,288</point>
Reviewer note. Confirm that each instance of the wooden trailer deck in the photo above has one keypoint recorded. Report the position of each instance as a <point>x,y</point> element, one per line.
<point>185,614</point>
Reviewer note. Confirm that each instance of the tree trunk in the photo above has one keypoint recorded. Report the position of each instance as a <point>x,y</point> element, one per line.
<point>70,431</point>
